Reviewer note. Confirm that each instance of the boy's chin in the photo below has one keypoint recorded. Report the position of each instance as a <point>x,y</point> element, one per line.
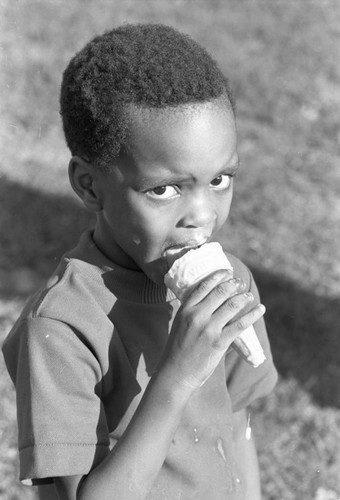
<point>156,271</point>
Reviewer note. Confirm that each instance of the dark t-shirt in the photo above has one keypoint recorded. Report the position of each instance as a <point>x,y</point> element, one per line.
<point>81,355</point>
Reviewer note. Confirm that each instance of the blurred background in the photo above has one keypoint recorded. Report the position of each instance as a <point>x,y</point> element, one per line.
<point>283,60</point>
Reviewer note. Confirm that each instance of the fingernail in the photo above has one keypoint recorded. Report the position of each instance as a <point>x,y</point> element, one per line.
<point>249,295</point>
<point>262,308</point>
<point>238,283</point>
<point>234,281</point>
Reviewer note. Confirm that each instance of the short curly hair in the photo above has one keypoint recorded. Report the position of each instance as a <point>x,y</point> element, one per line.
<point>145,65</point>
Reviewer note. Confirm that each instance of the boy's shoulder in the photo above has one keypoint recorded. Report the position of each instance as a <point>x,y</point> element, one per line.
<point>77,280</point>
<point>75,303</point>
<point>74,298</point>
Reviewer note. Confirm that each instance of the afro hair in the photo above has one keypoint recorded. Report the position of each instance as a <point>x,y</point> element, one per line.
<point>145,65</point>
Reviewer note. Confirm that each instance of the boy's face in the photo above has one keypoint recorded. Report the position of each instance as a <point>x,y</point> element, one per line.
<point>173,189</point>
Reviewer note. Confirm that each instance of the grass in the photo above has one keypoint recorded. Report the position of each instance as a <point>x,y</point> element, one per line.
<point>282,59</point>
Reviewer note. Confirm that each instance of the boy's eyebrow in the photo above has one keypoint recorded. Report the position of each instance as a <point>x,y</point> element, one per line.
<point>162,179</point>
<point>233,166</point>
<point>159,180</point>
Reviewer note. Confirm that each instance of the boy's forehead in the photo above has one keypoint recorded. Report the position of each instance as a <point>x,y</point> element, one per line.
<point>181,137</point>
<point>144,121</point>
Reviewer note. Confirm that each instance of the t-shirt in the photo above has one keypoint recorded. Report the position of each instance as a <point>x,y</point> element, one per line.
<point>81,355</point>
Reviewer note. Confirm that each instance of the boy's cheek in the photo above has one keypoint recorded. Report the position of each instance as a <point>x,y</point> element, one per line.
<point>147,251</point>
<point>150,236</point>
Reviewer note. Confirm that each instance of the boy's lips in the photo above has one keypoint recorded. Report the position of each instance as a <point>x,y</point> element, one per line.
<point>176,251</point>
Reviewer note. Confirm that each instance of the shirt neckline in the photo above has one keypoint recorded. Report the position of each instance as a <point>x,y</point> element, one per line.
<point>127,284</point>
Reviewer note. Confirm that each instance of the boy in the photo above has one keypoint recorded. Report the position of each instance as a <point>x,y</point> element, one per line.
<point>106,353</point>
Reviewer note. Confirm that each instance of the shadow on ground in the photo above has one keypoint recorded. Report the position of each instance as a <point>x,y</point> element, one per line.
<point>304,335</point>
<point>36,228</point>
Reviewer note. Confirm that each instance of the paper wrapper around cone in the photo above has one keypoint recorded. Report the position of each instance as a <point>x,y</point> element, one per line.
<point>193,267</point>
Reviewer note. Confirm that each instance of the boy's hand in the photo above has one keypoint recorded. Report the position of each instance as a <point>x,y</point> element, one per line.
<point>205,326</point>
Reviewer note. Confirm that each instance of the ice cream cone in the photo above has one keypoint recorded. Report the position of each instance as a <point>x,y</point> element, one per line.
<point>191,268</point>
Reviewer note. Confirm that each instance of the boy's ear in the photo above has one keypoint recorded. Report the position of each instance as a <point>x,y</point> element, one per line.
<point>82,178</point>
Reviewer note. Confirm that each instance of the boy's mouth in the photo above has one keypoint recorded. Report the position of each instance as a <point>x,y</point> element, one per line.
<point>174,252</point>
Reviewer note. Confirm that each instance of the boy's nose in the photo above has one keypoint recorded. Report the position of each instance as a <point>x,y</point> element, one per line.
<point>199,211</point>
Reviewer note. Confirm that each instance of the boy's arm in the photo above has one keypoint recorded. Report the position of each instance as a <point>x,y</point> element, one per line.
<point>131,468</point>
<point>246,456</point>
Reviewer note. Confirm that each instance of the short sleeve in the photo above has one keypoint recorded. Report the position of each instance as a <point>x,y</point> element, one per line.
<point>246,383</point>
<point>61,419</point>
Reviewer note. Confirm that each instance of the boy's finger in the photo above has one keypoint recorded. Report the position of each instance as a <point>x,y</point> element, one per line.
<point>230,306</point>
<point>204,287</point>
<point>233,329</point>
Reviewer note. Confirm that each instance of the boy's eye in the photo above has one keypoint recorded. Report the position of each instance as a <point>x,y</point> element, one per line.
<point>222,181</point>
<point>163,192</point>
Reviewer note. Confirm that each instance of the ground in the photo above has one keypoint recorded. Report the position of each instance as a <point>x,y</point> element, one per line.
<point>282,58</point>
